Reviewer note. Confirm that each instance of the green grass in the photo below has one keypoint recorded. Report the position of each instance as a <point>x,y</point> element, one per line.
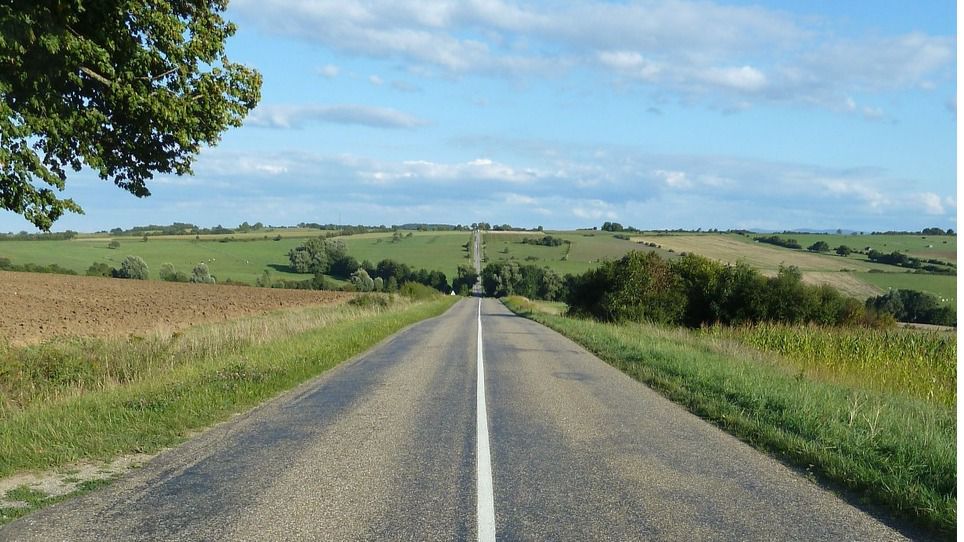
<point>36,499</point>
<point>944,287</point>
<point>442,251</point>
<point>243,261</point>
<point>890,449</point>
<point>89,399</point>
<point>240,260</point>
<point>902,362</point>
<point>941,247</point>
<point>586,250</point>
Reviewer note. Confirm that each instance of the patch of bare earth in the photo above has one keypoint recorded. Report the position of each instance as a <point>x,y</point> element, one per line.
<point>66,480</point>
<point>36,306</point>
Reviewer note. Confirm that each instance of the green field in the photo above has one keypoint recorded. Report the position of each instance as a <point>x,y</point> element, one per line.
<point>585,250</point>
<point>941,247</point>
<point>240,260</point>
<point>443,251</point>
<point>942,286</point>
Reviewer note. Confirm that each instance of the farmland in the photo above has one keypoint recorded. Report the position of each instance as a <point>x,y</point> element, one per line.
<point>853,275</point>
<point>941,247</point>
<point>239,257</point>
<point>584,250</point>
<point>40,306</point>
<point>442,251</point>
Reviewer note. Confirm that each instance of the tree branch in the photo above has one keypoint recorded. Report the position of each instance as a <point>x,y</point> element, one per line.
<point>96,75</point>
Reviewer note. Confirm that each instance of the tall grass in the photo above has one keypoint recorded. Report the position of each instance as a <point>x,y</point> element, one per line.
<point>67,400</point>
<point>892,449</point>
<point>920,364</point>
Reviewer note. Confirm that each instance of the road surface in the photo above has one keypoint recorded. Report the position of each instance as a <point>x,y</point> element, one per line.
<point>398,444</point>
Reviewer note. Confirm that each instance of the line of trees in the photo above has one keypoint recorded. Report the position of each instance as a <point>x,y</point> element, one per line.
<point>693,291</point>
<point>779,241</point>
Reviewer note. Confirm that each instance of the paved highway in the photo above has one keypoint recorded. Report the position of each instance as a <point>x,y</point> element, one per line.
<point>392,446</point>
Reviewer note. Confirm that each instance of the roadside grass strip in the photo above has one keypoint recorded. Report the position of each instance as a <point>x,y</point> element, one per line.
<point>893,451</point>
<point>95,399</point>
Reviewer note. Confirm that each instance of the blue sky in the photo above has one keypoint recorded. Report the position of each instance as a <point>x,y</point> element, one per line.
<point>659,114</point>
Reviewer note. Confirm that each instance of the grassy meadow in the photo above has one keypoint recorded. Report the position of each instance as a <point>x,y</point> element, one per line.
<point>94,399</point>
<point>240,257</point>
<point>442,251</point>
<point>585,249</point>
<point>872,412</point>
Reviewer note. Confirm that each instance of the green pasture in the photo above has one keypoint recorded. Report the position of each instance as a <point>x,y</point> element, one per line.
<point>442,251</point>
<point>940,247</point>
<point>242,261</point>
<point>585,250</point>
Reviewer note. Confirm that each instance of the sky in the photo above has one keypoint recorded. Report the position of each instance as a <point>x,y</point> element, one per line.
<point>672,114</point>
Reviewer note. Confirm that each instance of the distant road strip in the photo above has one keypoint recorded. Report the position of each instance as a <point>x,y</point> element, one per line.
<point>486,503</point>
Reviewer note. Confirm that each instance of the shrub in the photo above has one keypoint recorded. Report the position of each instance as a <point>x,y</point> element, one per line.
<point>99,269</point>
<point>114,243</point>
<point>133,267</point>
<point>417,292</point>
<point>201,274</point>
<point>371,301</point>
<point>362,281</point>
<point>819,246</point>
<point>168,273</point>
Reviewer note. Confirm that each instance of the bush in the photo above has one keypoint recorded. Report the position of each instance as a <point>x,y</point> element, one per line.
<point>418,292</point>
<point>114,243</point>
<point>169,274</point>
<point>133,267</point>
<point>914,307</point>
<point>819,246</point>
<point>201,275</point>
<point>99,269</point>
<point>371,301</point>
<point>696,291</point>
<point>362,281</point>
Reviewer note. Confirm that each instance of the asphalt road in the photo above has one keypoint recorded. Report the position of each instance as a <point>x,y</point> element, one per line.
<point>385,447</point>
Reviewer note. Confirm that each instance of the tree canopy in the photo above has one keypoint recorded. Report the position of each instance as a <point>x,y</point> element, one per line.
<point>128,88</point>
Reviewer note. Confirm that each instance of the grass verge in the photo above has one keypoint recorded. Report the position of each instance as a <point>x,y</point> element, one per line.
<point>94,399</point>
<point>892,451</point>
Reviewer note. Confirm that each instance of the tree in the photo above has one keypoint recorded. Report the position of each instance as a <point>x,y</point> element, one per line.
<point>126,89</point>
<point>843,250</point>
<point>361,281</point>
<point>819,246</point>
<point>201,274</point>
<point>99,269</point>
<point>133,267</point>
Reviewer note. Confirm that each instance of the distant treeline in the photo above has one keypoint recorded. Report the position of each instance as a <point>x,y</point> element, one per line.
<point>49,236</point>
<point>694,291</point>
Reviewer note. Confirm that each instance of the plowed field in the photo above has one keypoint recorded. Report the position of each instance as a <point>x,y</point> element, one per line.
<point>35,306</point>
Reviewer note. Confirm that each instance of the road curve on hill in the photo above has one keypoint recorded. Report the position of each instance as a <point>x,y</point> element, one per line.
<point>388,447</point>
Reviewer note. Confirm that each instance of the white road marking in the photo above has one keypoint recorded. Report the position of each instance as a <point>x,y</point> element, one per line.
<point>485,498</point>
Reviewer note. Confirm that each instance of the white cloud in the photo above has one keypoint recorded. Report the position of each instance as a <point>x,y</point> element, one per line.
<point>329,71</point>
<point>745,78</point>
<point>376,80</point>
<point>673,179</point>
<point>731,54</point>
<point>594,210</point>
<point>296,116</point>
<point>931,203</point>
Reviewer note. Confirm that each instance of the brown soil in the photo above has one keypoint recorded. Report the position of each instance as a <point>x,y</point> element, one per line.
<point>36,306</point>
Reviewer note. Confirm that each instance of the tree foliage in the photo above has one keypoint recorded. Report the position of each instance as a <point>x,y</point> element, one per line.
<point>133,267</point>
<point>127,88</point>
